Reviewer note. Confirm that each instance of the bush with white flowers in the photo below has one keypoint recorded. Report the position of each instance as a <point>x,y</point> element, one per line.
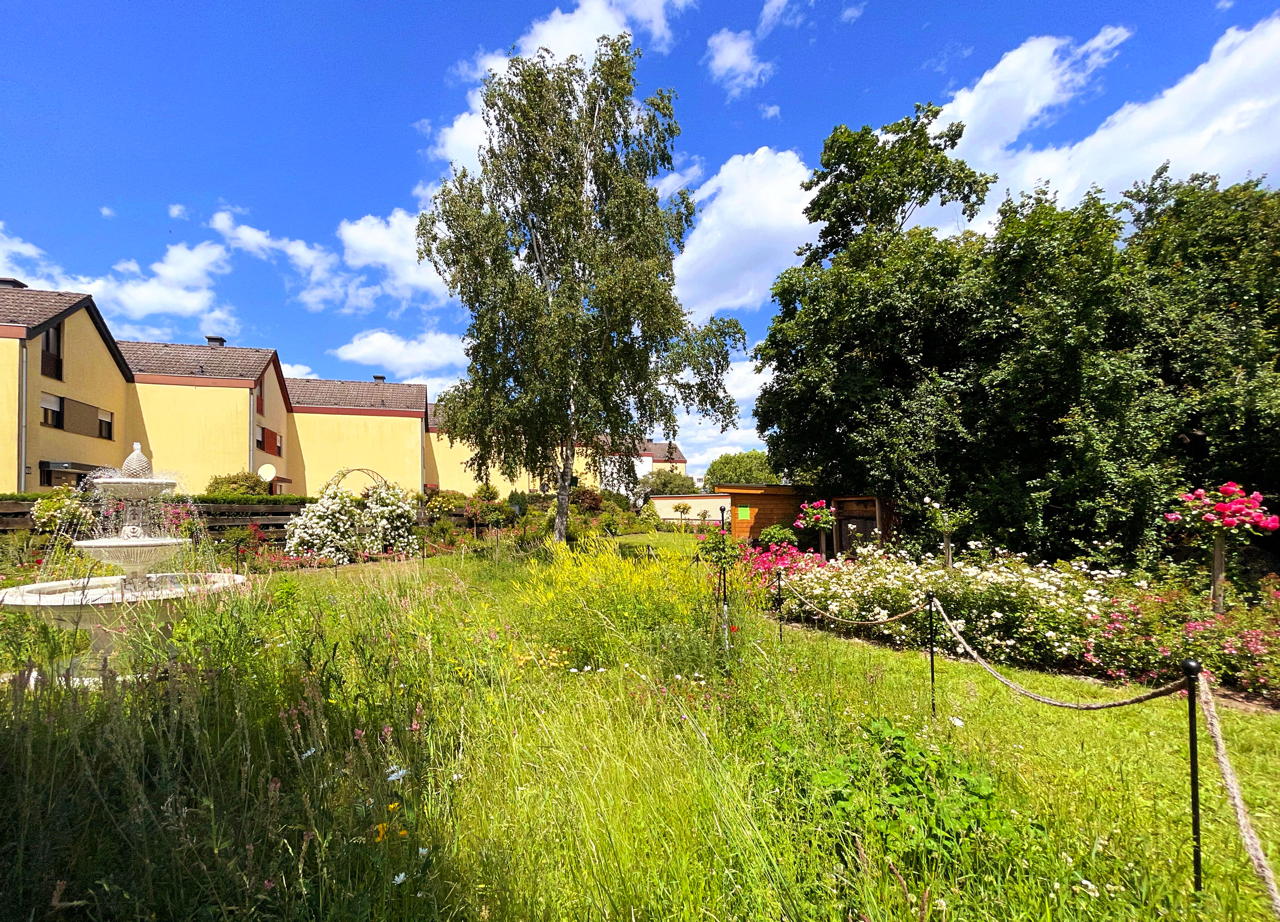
<point>389,520</point>
<point>341,527</point>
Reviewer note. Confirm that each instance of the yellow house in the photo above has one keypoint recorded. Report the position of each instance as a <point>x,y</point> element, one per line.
<point>64,386</point>
<point>204,410</point>
<point>72,399</point>
<point>377,425</point>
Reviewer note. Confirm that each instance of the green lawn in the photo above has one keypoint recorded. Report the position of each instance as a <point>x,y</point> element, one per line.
<point>568,740</point>
<point>668,540</point>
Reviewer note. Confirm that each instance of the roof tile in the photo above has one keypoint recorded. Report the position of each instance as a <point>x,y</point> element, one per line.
<point>28,307</point>
<point>195,360</point>
<point>363,395</point>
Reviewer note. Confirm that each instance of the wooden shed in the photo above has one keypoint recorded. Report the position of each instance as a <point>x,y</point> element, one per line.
<point>751,508</point>
<point>859,519</point>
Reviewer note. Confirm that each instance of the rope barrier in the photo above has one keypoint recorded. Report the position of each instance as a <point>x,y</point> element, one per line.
<point>1252,845</point>
<point>1078,706</point>
<point>830,617</point>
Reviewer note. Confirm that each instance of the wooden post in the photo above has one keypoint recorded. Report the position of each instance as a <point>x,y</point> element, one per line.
<point>1219,590</point>
<point>946,547</point>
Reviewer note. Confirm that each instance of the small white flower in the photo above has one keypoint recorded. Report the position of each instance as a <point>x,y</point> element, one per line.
<point>396,773</point>
<point>309,753</point>
<point>573,670</point>
<point>422,851</point>
<point>956,721</point>
<point>400,878</point>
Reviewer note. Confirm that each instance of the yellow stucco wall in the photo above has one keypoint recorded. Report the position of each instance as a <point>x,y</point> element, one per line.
<point>446,467</point>
<point>89,375</point>
<point>9,352</point>
<point>194,432</point>
<point>324,443</point>
<point>275,416</point>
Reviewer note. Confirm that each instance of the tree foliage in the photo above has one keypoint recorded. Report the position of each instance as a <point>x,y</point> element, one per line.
<point>1062,376</point>
<point>665,482</point>
<point>739,467</point>
<point>562,252</point>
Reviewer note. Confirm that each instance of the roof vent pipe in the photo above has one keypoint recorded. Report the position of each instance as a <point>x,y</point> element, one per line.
<point>380,379</point>
<point>216,340</point>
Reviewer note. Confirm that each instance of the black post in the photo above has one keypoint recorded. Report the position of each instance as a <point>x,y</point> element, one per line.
<point>1192,670</point>
<point>777,600</point>
<point>933,696</point>
<point>724,589</point>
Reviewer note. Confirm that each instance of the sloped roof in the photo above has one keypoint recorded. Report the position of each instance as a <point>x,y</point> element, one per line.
<point>195,360</point>
<point>360,395</point>
<point>29,307</point>
<point>663,451</point>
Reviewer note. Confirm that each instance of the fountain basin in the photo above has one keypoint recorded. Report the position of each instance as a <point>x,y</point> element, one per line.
<point>97,604</point>
<point>131,553</point>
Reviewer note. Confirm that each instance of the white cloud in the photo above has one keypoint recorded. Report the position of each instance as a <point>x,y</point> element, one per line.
<point>1026,87</point>
<point>180,284</point>
<point>391,244</point>
<point>431,350</point>
<point>770,13</point>
<point>563,33</point>
<point>297,371</point>
<point>178,212</point>
<point>751,222</point>
<point>1224,5</point>
<point>731,58</point>
<point>220,321</point>
<point>142,331</point>
<point>770,111</point>
<point>436,384</point>
<point>107,212</point>
<point>324,283</point>
<point>852,13</point>
<point>678,179</point>
<point>1219,118</point>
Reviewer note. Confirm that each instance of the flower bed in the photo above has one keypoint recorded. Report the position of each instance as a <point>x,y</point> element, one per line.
<point>1064,616</point>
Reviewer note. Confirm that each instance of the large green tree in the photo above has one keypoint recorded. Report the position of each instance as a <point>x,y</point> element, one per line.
<point>562,252</point>
<point>1060,375</point>
<point>739,467</point>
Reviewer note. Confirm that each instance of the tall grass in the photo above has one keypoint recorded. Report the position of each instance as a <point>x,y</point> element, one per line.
<point>565,738</point>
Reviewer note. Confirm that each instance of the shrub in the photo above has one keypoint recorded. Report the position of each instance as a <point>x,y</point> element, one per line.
<point>649,517</point>
<point>329,527</point>
<point>486,492</point>
<point>586,499</point>
<point>61,511</point>
<point>619,501</point>
<point>239,484</point>
<point>388,520</point>
<point>778,534</point>
<point>445,502</point>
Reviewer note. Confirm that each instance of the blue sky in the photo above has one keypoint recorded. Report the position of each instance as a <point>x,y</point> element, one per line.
<point>255,170</point>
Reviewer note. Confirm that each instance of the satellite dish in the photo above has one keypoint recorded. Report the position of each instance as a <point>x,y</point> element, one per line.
<point>267,473</point>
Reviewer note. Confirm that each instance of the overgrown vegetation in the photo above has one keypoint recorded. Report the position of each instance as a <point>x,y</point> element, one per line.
<point>566,738</point>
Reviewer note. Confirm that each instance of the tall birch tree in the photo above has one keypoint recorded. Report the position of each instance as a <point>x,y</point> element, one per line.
<point>562,251</point>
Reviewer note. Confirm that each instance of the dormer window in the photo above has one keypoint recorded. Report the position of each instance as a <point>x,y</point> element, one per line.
<point>51,352</point>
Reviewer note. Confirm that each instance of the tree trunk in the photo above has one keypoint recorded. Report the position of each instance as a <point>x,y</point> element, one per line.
<point>561,532</point>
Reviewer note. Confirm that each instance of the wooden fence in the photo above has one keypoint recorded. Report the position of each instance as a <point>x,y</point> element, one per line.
<point>16,515</point>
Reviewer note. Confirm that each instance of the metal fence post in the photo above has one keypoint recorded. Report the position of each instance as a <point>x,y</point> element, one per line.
<point>777,600</point>
<point>933,695</point>
<point>1192,670</point>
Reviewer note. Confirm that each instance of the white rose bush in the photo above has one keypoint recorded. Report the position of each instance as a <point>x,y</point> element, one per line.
<point>339,526</point>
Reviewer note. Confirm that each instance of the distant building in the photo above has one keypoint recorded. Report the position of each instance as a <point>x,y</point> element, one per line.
<point>73,399</point>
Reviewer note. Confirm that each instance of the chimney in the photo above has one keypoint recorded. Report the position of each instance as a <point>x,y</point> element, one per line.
<point>216,340</point>
<point>8,282</point>
<point>379,379</point>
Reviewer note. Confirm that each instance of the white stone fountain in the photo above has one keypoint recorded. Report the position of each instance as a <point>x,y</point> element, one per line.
<point>95,603</point>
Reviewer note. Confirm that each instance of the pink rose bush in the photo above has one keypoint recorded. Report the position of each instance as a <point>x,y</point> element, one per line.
<point>764,563</point>
<point>816,515</point>
<point>1229,508</point>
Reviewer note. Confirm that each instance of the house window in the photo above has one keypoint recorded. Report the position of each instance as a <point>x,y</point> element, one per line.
<point>51,352</point>
<point>52,409</point>
<point>46,477</point>
<point>260,439</point>
<point>106,424</point>
<point>262,401</point>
